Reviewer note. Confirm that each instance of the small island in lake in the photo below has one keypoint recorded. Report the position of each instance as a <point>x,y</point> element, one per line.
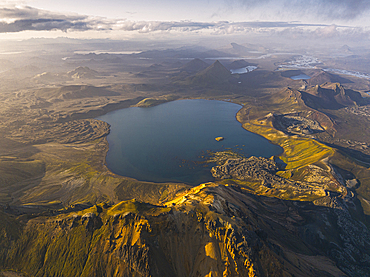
<point>219,138</point>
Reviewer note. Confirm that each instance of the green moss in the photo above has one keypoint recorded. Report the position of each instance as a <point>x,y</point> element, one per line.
<point>221,157</point>
<point>96,209</point>
<point>10,231</point>
<point>146,191</point>
<point>83,169</point>
<point>129,206</point>
<point>298,151</point>
<point>149,102</point>
<point>164,195</point>
<point>137,207</point>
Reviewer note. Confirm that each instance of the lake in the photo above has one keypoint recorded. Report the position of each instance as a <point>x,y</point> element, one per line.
<point>243,70</point>
<point>165,143</point>
<point>300,77</point>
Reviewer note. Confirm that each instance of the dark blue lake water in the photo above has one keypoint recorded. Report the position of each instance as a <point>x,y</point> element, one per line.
<point>165,143</point>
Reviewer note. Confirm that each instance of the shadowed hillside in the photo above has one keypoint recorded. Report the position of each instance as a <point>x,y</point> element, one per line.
<point>331,96</point>
<point>321,77</point>
<point>212,75</point>
<point>239,64</point>
<point>193,66</point>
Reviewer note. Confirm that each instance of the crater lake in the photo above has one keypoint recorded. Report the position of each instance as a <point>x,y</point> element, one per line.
<point>165,143</point>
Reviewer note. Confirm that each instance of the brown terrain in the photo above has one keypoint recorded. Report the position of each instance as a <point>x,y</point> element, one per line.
<point>303,213</point>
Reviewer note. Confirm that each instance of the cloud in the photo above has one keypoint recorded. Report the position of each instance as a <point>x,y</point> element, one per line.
<point>322,34</point>
<point>25,18</point>
<point>152,26</point>
<point>17,19</point>
<point>189,26</point>
<point>15,13</point>
<point>321,9</point>
<point>41,25</point>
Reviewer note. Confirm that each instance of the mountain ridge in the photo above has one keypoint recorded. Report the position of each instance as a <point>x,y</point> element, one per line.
<point>208,230</point>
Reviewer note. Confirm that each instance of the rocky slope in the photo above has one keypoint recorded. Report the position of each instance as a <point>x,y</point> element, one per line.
<point>210,230</point>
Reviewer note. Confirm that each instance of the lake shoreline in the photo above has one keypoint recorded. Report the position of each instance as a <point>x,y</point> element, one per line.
<point>108,164</point>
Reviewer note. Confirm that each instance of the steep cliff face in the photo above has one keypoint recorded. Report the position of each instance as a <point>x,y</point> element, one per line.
<point>210,230</point>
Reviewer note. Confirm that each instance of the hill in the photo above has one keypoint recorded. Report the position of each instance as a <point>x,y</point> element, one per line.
<point>291,73</point>
<point>239,49</point>
<point>331,96</point>
<point>247,49</point>
<point>214,74</point>
<point>75,92</point>
<point>194,66</point>
<point>82,72</point>
<point>48,77</point>
<point>321,77</point>
<point>209,230</point>
<point>239,64</point>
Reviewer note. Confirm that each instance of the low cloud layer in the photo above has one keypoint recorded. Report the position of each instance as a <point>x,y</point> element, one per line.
<point>18,19</point>
<point>319,9</point>
<point>188,26</point>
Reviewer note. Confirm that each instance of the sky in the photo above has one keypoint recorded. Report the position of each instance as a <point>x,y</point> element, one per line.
<point>122,18</point>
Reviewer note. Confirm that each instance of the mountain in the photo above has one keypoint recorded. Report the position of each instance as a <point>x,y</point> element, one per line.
<point>239,49</point>
<point>346,49</point>
<point>48,77</point>
<point>214,54</point>
<point>214,74</point>
<point>291,73</point>
<point>194,66</point>
<point>321,77</point>
<point>331,96</point>
<point>75,92</point>
<point>99,58</point>
<point>82,72</point>
<point>209,230</point>
<point>346,97</point>
<point>239,64</point>
<point>247,49</point>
